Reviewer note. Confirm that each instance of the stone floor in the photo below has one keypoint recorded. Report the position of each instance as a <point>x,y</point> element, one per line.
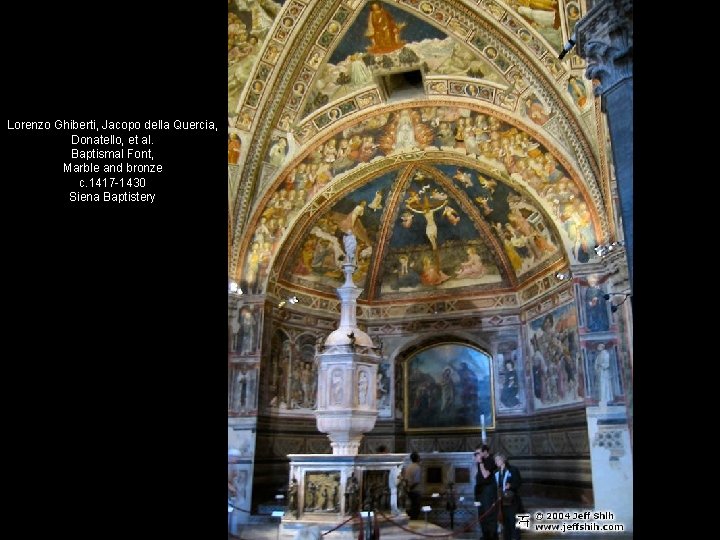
<point>263,527</point>
<point>268,531</point>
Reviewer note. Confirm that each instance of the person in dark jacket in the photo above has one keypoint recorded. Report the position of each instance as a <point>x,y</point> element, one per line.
<point>413,476</point>
<point>508,481</point>
<point>486,492</point>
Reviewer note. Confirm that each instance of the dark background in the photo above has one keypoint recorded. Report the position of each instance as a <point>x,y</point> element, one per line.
<point>116,314</point>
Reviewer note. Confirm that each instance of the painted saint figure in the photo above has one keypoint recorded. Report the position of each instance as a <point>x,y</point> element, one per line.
<point>447,386</point>
<point>473,267</point>
<point>277,152</point>
<point>596,311</point>
<point>602,372</point>
<point>405,132</point>
<point>382,30</point>
<point>234,146</point>
<point>247,323</point>
<point>510,389</point>
<point>241,389</point>
<point>428,212</point>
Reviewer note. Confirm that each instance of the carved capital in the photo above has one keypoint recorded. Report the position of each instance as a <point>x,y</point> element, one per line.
<point>605,40</point>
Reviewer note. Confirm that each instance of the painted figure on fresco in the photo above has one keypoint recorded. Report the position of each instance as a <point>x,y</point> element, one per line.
<point>382,30</point>
<point>278,151</point>
<point>573,14</point>
<point>428,212</point>
<point>360,74</point>
<point>596,315</point>
<point>538,369</point>
<point>447,386</point>
<point>602,372</point>
<point>511,387</point>
<point>247,327</point>
<point>382,390</point>
<point>556,379</point>
<point>234,146</point>
<point>535,110</point>
<point>473,267</point>
<point>406,274</point>
<point>376,203</point>
<point>405,132</point>
<point>241,389</point>
<point>469,385</point>
<point>576,89</point>
<point>352,223</point>
<point>431,273</point>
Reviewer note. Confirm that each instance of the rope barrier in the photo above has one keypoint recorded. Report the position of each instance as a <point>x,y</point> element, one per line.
<point>238,508</point>
<point>358,517</point>
<point>464,529</point>
<point>343,523</point>
<point>412,531</point>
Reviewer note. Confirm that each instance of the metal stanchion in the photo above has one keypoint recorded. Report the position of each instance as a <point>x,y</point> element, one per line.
<point>278,514</point>
<point>451,503</point>
<point>426,510</point>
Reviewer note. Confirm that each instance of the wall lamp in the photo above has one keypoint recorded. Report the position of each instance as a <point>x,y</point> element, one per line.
<point>293,300</point>
<point>234,288</point>
<point>614,307</point>
<point>569,45</point>
<point>562,276</point>
<point>604,249</point>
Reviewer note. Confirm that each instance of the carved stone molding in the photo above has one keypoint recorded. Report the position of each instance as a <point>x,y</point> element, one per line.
<point>605,39</point>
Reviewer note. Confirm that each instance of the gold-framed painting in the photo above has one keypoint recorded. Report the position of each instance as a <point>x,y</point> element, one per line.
<point>449,387</point>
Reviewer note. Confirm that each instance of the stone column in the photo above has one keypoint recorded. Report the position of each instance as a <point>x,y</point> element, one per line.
<point>243,371</point>
<point>605,40</point>
<point>612,465</point>
<point>609,413</point>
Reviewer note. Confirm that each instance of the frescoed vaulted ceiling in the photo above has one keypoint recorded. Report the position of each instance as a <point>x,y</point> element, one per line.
<point>487,174</point>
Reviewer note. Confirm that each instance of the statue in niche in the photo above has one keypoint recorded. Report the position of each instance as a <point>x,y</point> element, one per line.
<point>335,499</point>
<point>363,387</point>
<point>292,498</point>
<point>336,389</point>
<point>351,495</point>
<point>311,501</point>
